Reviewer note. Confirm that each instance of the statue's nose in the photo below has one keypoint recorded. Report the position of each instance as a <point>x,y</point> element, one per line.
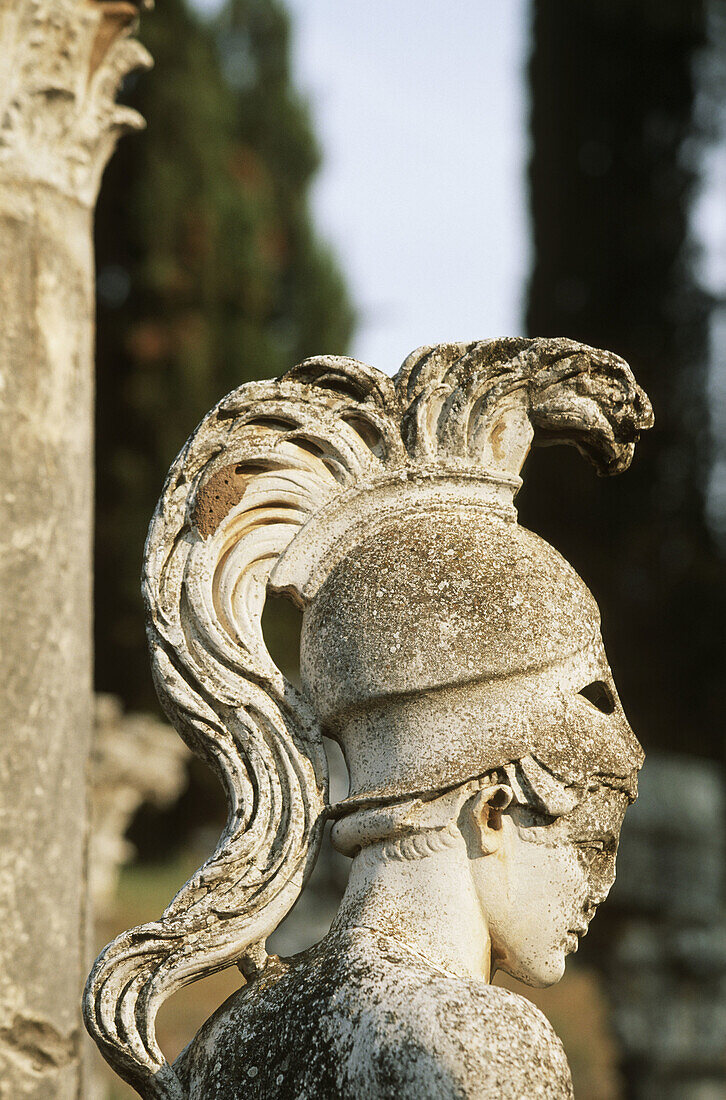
<point>644,410</point>
<point>600,885</point>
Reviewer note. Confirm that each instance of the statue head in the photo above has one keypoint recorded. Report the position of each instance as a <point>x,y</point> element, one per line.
<point>457,659</point>
<point>455,656</point>
<point>540,853</point>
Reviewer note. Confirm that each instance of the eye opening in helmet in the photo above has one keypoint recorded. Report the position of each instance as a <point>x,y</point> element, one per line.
<point>599,695</point>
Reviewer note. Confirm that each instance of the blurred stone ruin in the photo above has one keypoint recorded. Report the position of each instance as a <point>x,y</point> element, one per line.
<point>665,965</point>
<point>136,759</point>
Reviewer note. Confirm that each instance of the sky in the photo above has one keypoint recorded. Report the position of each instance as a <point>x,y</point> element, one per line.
<point>422,122</point>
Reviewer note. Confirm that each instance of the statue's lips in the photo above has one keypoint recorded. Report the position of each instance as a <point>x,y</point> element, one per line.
<point>581,930</point>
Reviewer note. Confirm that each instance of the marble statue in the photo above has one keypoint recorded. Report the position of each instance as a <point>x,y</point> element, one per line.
<point>456,658</point>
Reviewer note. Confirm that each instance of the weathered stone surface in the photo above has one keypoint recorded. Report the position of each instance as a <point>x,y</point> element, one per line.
<point>455,658</point>
<point>60,64</point>
<point>363,1017</point>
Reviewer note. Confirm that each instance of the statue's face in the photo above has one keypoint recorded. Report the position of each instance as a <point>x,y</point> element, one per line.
<point>541,888</point>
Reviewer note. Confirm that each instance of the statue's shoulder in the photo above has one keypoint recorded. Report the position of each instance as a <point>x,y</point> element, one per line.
<point>441,1035</point>
<point>361,1016</point>
<point>516,1051</point>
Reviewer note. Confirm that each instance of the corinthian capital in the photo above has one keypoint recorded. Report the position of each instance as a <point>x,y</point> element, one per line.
<point>61,65</point>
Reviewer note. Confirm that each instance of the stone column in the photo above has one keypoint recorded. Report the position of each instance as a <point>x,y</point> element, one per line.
<point>60,65</point>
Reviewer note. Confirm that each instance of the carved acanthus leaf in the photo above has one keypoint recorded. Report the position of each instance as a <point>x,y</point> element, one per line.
<point>61,65</point>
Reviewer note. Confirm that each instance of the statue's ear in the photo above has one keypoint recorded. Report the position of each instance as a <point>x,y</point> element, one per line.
<point>485,813</point>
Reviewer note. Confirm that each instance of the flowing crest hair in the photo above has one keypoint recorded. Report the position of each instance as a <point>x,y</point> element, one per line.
<point>268,459</point>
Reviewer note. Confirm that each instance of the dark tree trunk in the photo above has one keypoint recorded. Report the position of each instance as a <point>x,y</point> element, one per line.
<point>612,184</point>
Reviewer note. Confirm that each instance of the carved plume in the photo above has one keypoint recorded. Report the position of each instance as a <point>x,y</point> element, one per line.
<point>61,65</point>
<point>268,460</point>
<point>482,403</point>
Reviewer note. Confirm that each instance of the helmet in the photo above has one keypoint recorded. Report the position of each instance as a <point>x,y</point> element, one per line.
<point>451,642</point>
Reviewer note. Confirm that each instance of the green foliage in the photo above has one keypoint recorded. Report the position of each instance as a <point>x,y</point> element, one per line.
<point>210,273</point>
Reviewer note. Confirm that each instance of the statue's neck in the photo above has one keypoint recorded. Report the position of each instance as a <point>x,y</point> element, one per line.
<point>427,903</point>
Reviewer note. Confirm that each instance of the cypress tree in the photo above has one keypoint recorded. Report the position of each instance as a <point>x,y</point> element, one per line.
<point>210,272</point>
<point>613,178</point>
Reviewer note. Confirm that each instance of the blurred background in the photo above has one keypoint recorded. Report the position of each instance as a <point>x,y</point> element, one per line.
<point>368,177</point>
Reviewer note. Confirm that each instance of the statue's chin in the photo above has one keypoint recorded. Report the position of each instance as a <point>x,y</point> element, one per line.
<point>538,972</point>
